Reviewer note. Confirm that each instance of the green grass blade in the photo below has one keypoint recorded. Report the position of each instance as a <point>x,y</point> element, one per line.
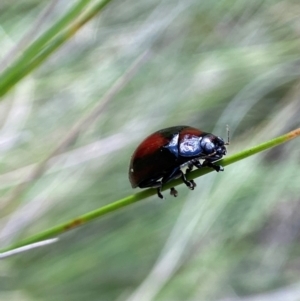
<point>90,216</point>
<point>43,47</point>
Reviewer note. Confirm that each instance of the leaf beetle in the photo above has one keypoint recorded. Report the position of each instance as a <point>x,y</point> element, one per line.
<point>161,156</point>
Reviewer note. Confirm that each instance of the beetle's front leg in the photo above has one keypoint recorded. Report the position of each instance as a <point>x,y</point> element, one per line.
<point>210,164</point>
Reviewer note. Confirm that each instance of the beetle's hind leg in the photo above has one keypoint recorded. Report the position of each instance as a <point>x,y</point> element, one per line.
<point>177,173</point>
<point>173,192</point>
<point>159,194</point>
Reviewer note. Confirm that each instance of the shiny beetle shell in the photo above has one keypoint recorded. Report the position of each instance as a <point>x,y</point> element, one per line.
<point>160,157</point>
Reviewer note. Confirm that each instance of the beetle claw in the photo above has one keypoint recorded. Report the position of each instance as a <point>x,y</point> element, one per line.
<point>173,192</point>
<point>159,194</point>
<point>221,168</point>
<point>190,184</point>
<point>217,168</point>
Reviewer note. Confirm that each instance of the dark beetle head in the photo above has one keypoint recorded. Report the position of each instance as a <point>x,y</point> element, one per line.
<point>213,147</point>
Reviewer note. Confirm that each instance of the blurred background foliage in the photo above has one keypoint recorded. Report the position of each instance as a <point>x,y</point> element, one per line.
<point>212,63</point>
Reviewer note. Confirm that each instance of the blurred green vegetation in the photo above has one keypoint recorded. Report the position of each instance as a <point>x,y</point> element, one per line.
<point>213,63</point>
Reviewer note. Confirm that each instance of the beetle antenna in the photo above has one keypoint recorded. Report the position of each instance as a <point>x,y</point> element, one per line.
<point>227,128</point>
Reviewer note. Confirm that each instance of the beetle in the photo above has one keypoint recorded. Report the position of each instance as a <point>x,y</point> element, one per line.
<point>162,155</point>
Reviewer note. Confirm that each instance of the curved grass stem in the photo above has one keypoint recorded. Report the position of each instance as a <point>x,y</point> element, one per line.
<point>90,216</point>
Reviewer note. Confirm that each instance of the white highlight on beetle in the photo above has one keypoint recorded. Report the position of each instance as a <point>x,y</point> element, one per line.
<point>28,247</point>
<point>174,141</point>
<point>189,145</point>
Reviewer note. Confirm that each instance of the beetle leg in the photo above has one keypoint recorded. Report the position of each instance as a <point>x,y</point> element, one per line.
<point>159,192</point>
<point>197,164</point>
<point>188,170</point>
<point>217,168</point>
<point>176,173</point>
<point>189,167</point>
<point>190,184</point>
<point>173,192</point>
